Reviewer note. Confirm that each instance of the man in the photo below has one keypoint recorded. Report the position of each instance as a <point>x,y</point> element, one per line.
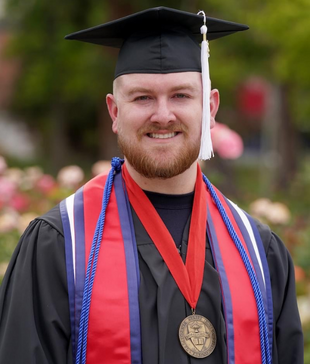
<point>151,263</point>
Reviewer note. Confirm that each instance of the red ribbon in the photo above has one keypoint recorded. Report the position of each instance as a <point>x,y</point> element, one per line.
<point>188,276</point>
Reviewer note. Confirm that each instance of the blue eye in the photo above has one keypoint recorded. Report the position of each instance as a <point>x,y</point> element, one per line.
<point>181,96</point>
<point>142,98</point>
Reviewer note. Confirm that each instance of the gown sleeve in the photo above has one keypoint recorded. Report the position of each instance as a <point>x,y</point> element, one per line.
<point>34,311</point>
<point>288,336</point>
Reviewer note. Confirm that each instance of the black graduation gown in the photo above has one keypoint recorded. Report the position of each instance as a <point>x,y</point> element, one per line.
<point>34,309</point>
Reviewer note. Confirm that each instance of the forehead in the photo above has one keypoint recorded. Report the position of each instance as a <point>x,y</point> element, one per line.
<point>159,82</point>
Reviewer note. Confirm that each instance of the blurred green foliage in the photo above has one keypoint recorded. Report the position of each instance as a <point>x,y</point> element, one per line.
<point>66,82</point>
<point>8,243</point>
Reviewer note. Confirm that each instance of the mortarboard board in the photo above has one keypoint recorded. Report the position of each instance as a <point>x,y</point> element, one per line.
<point>161,40</point>
<point>157,40</point>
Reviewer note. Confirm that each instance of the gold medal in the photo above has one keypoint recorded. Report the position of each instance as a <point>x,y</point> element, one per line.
<point>197,336</point>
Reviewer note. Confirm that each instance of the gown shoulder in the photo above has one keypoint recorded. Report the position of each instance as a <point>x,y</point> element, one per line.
<point>288,335</point>
<point>34,308</point>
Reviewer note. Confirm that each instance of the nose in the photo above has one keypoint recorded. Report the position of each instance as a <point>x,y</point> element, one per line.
<point>163,112</point>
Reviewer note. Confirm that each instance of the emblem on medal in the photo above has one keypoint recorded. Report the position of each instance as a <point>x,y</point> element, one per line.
<point>197,336</point>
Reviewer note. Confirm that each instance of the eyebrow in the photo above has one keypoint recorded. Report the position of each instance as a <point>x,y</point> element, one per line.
<point>185,86</point>
<point>136,90</point>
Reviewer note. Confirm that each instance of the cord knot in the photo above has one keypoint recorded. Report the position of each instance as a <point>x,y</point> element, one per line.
<point>116,164</point>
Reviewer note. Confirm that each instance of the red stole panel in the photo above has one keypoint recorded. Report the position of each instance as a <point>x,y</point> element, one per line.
<point>109,310</point>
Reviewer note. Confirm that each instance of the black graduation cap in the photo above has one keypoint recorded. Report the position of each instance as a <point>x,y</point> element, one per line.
<point>157,40</point>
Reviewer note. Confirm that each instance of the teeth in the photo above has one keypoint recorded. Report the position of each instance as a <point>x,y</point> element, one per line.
<point>162,136</point>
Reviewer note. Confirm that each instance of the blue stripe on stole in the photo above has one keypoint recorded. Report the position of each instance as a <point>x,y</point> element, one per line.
<point>226,296</point>
<point>79,255</point>
<point>133,276</point>
<point>70,270</point>
<point>267,279</point>
<point>250,247</point>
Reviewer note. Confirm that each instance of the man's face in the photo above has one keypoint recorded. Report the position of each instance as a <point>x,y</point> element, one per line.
<point>157,118</point>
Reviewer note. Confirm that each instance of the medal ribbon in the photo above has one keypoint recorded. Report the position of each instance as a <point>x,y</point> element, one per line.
<point>188,276</point>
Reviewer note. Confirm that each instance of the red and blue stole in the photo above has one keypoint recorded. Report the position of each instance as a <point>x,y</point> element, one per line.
<point>114,335</point>
<point>241,318</point>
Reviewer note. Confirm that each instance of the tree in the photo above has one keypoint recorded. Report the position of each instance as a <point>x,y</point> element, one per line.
<point>276,48</point>
<point>63,84</point>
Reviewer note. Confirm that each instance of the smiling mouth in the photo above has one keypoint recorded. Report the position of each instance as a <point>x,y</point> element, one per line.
<point>162,136</point>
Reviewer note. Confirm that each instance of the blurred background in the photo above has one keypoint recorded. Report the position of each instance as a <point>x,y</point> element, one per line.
<point>55,132</point>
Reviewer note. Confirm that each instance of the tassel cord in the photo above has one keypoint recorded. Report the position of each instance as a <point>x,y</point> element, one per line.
<point>206,149</point>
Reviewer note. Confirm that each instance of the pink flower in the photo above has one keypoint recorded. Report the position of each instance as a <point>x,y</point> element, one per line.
<point>300,274</point>
<point>32,176</point>
<point>8,221</point>
<point>226,142</point>
<point>15,175</point>
<point>7,189</point>
<point>278,213</point>
<point>45,184</point>
<point>24,220</point>
<point>259,207</point>
<point>19,202</point>
<point>273,212</point>
<point>101,167</point>
<point>70,176</point>
<point>3,165</point>
<point>3,268</point>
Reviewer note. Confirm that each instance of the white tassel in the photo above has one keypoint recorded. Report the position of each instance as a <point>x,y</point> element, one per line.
<point>206,149</point>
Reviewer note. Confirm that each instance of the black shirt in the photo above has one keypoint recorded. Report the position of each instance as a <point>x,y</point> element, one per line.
<point>174,210</point>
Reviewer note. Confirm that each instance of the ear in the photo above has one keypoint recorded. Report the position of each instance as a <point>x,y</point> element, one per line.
<point>214,105</point>
<point>113,111</point>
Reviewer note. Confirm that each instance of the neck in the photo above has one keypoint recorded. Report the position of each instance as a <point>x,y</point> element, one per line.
<point>180,184</point>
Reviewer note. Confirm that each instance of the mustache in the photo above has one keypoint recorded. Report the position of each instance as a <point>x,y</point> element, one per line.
<point>170,128</point>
